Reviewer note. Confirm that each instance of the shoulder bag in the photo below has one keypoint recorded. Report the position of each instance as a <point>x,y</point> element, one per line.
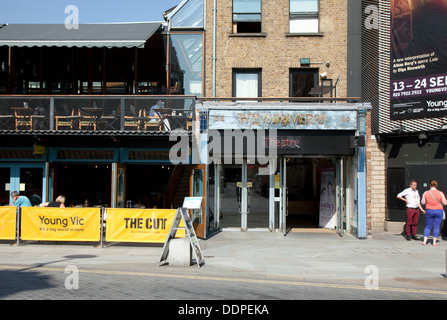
<point>443,212</point>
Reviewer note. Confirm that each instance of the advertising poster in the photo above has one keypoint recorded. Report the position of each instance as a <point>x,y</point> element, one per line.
<point>7,223</point>
<point>60,224</point>
<point>140,225</point>
<point>418,75</point>
<point>327,198</point>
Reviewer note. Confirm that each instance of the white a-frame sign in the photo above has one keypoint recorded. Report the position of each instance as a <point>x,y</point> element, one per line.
<point>182,213</point>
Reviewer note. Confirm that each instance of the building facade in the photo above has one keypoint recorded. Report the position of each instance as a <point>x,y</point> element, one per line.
<point>403,41</point>
<point>293,65</point>
<point>278,51</point>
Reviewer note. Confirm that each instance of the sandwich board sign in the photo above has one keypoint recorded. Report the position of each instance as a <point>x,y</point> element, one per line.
<point>182,214</point>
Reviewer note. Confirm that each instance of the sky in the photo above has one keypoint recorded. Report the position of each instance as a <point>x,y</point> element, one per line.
<point>90,11</point>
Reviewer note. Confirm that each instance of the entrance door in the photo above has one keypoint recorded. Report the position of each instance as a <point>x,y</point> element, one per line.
<point>258,192</point>
<point>340,205</point>
<point>242,196</point>
<point>283,196</point>
<point>198,189</point>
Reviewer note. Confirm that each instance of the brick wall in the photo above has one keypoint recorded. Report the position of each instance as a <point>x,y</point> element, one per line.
<point>275,51</point>
<point>376,189</point>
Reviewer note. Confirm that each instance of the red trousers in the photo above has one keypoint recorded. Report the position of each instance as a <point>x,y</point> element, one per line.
<point>412,221</point>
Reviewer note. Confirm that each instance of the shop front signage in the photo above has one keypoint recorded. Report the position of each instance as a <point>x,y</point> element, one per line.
<point>287,119</point>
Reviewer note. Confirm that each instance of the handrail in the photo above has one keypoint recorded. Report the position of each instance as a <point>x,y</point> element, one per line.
<point>281,99</point>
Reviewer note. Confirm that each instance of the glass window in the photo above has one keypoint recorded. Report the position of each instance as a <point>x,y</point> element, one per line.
<point>187,64</point>
<point>189,16</point>
<point>302,81</point>
<point>247,83</point>
<point>304,16</point>
<point>246,16</point>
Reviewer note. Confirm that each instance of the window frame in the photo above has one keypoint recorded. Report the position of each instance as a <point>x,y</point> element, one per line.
<point>236,71</point>
<point>302,15</point>
<point>235,23</point>
<point>294,71</point>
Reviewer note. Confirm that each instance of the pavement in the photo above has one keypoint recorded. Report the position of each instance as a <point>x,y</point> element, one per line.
<point>315,256</point>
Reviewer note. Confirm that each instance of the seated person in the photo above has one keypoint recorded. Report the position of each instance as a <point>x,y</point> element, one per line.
<point>156,106</point>
<point>58,203</point>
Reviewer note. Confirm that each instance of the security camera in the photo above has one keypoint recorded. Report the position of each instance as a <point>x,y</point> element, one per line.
<point>323,75</point>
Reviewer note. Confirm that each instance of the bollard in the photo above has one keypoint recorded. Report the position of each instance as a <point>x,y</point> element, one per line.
<point>180,253</point>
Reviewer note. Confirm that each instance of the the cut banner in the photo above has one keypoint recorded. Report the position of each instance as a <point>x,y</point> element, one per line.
<point>140,225</point>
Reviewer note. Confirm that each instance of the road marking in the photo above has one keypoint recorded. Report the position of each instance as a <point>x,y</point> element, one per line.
<point>227,279</point>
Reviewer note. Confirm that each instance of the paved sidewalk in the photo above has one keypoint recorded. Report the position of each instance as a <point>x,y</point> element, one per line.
<point>313,255</point>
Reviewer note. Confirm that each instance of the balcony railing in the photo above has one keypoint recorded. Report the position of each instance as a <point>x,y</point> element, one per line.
<point>96,113</point>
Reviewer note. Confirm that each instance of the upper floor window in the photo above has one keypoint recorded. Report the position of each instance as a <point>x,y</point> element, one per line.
<point>188,15</point>
<point>304,16</point>
<point>247,83</point>
<point>246,16</point>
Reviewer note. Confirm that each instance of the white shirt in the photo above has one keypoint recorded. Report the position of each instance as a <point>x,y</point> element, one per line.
<point>412,197</point>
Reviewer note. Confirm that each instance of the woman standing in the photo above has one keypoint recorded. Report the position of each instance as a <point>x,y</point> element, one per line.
<point>433,200</point>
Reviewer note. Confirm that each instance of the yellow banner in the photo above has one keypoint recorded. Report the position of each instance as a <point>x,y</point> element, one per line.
<point>7,223</point>
<point>140,225</point>
<point>60,224</point>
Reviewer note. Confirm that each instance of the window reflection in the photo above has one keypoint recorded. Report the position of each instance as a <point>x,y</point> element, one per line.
<point>186,64</point>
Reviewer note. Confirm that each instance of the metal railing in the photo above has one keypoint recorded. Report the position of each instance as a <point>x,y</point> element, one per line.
<point>96,113</point>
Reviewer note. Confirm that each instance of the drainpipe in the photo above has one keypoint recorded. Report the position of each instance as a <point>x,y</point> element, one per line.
<point>214,47</point>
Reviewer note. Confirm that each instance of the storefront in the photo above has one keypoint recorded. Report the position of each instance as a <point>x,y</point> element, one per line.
<point>281,166</point>
<point>112,173</point>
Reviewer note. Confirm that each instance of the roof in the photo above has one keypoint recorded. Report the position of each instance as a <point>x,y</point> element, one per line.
<point>109,35</point>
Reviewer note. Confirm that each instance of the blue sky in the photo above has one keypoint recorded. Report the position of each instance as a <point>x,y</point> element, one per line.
<point>90,11</point>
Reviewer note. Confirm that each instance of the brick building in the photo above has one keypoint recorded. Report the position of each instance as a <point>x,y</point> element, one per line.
<point>277,51</point>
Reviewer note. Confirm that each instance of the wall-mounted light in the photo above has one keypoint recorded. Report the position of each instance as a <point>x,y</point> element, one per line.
<point>323,75</point>
<point>422,136</point>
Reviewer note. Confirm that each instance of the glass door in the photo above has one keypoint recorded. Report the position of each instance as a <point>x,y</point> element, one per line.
<point>258,192</point>
<point>5,182</point>
<point>340,206</point>
<point>198,189</point>
<point>31,184</point>
<point>283,196</point>
<point>228,212</point>
<point>29,179</point>
<point>119,172</point>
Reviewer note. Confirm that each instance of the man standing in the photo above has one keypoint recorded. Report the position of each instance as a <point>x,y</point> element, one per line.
<point>413,201</point>
<point>20,201</point>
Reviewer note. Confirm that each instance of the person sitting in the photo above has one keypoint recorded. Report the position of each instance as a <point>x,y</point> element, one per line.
<point>58,203</point>
<point>158,105</point>
<point>20,201</point>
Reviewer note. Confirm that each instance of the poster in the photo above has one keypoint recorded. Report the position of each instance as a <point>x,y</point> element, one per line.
<point>140,225</point>
<point>327,198</point>
<point>7,223</point>
<point>60,224</point>
<point>418,75</point>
